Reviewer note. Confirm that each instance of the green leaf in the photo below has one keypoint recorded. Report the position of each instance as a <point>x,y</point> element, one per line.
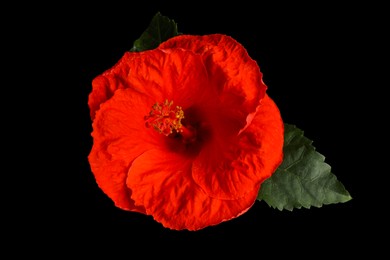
<point>303,179</point>
<point>160,29</point>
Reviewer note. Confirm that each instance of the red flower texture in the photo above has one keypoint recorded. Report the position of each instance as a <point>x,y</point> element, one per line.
<point>185,132</point>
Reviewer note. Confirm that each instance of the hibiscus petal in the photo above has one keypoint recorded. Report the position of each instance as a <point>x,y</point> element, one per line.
<point>234,75</point>
<point>267,132</point>
<point>162,183</point>
<point>176,75</point>
<point>110,178</point>
<point>119,137</point>
<point>104,85</point>
<point>228,169</point>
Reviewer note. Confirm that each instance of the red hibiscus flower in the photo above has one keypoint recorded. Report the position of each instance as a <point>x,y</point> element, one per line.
<point>185,132</point>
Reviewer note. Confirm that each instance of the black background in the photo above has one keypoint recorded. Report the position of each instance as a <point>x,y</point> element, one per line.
<point>310,56</point>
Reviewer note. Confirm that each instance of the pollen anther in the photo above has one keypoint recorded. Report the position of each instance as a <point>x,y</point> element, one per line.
<point>165,118</point>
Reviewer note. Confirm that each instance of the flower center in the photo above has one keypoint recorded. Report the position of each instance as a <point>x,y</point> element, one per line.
<point>167,120</point>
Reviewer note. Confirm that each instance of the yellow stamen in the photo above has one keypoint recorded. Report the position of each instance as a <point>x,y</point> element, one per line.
<point>164,118</point>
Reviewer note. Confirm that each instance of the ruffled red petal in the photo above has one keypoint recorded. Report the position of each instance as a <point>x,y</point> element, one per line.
<point>177,75</point>
<point>104,85</point>
<point>229,168</point>
<point>119,137</point>
<point>162,183</point>
<point>266,132</point>
<point>233,74</point>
